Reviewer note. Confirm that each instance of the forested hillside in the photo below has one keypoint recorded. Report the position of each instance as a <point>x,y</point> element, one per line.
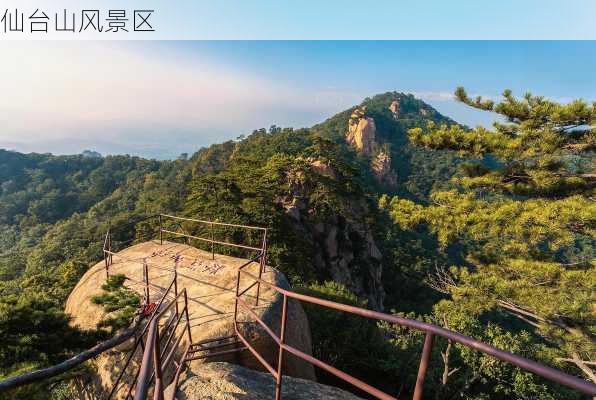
<point>324,193</point>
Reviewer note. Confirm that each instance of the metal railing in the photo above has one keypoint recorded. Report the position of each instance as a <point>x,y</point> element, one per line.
<point>212,225</point>
<point>159,355</point>
<point>139,338</point>
<point>153,351</point>
<point>163,230</point>
<point>152,355</point>
<point>430,330</point>
<point>162,341</point>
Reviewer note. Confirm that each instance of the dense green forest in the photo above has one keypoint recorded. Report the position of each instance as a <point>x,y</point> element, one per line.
<point>470,212</point>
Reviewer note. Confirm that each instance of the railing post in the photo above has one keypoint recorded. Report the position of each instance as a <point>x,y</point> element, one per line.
<point>262,262</point>
<point>212,242</point>
<point>282,339</point>
<point>110,261</point>
<point>158,391</point>
<point>160,230</point>
<point>424,360</point>
<point>259,281</point>
<point>106,255</point>
<point>236,302</point>
<point>176,286</point>
<point>186,312</point>
<point>146,276</point>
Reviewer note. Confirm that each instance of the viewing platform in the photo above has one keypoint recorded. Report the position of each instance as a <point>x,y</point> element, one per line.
<point>170,262</point>
<point>210,283</point>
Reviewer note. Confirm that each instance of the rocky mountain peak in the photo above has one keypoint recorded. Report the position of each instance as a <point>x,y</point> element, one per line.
<point>361,131</point>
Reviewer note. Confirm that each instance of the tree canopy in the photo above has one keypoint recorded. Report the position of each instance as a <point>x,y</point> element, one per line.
<point>527,219</point>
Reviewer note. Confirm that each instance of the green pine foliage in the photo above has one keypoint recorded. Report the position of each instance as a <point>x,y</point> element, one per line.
<point>544,148</point>
<point>119,302</point>
<point>528,221</point>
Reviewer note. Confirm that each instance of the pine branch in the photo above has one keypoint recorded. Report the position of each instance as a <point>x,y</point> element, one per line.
<point>521,313</point>
<point>573,361</point>
<point>582,365</point>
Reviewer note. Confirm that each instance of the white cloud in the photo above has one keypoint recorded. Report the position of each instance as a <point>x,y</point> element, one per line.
<point>110,94</point>
<point>434,96</point>
<point>148,99</point>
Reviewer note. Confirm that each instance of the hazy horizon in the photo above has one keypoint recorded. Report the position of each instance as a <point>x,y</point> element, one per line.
<point>161,99</point>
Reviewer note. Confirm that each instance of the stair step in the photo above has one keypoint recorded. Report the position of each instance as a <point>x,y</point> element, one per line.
<point>216,354</point>
<point>219,339</point>
<point>209,344</point>
<point>215,346</point>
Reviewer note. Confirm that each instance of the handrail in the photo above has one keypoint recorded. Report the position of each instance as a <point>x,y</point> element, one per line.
<point>152,355</point>
<point>139,339</point>
<point>241,246</point>
<point>152,365</point>
<point>120,227</point>
<point>430,330</point>
<point>156,360</point>
<point>108,252</point>
<point>214,222</point>
<point>212,240</point>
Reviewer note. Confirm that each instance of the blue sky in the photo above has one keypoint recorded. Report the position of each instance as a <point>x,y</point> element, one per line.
<point>162,98</point>
<point>384,19</point>
<point>351,19</point>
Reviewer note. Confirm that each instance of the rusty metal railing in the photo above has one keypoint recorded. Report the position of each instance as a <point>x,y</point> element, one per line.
<point>158,355</point>
<point>162,219</point>
<point>430,330</point>
<point>154,365</point>
<point>157,358</point>
<point>211,239</point>
<point>139,338</point>
<point>151,328</point>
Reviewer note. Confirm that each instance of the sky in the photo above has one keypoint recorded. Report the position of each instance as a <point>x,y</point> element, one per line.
<point>348,19</point>
<point>162,98</point>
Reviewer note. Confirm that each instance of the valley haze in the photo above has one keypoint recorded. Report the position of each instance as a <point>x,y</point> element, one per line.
<point>160,99</point>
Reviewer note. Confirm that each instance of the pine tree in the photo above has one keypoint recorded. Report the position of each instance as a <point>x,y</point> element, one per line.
<point>526,214</point>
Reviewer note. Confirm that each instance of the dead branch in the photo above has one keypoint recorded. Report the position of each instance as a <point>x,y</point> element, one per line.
<point>67,365</point>
<point>441,280</point>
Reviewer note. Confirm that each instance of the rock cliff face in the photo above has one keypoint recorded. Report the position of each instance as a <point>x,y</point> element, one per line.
<point>381,167</point>
<point>361,132</point>
<point>322,168</point>
<point>394,108</point>
<point>222,381</point>
<point>361,135</point>
<point>344,248</point>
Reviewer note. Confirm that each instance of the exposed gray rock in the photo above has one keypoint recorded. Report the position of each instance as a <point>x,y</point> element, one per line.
<point>343,246</point>
<point>381,167</point>
<point>322,168</point>
<point>394,108</point>
<point>223,381</point>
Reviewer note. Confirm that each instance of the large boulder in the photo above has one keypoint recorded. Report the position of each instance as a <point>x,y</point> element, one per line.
<point>211,286</point>
<point>223,381</point>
